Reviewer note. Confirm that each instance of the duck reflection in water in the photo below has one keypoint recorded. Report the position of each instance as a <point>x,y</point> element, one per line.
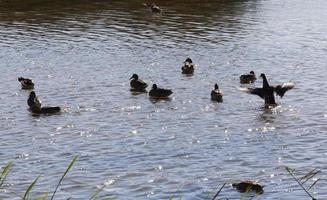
<point>268,115</point>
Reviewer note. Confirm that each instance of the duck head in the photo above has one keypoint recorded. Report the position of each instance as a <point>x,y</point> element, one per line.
<point>252,72</point>
<point>20,79</point>
<point>189,60</point>
<point>262,75</point>
<point>32,95</point>
<point>216,87</point>
<point>135,76</point>
<point>154,86</point>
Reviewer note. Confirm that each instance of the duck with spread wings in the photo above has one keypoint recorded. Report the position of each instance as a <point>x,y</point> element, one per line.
<point>267,91</point>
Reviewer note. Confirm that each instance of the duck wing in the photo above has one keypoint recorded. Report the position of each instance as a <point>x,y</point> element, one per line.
<point>141,82</point>
<point>256,91</point>
<point>281,89</point>
<point>165,92</point>
<point>160,93</point>
<point>138,84</point>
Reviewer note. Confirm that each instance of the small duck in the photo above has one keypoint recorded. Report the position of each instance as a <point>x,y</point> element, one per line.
<point>248,78</point>
<point>26,83</point>
<point>159,93</point>
<point>155,9</point>
<point>248,186</point>
<point>188,67</point>
<point>267,91</point>
<point>216,94</point>
<point>137,84</point>
<point>35,106</point>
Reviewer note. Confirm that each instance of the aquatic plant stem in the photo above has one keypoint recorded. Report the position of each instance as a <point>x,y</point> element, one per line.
<point>62,178</point>
<point>29,189</point>
<point>5,172</point>
<point>219,191</point>
<point>288,170</point>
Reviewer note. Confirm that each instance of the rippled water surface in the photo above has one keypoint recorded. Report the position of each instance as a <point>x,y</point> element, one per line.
<point>81,55</point>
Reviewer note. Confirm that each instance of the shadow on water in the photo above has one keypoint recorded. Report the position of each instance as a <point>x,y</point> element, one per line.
<point>179,19</point>
<point>157,100</point>
<point>135,92</point>
<point>268,116</point>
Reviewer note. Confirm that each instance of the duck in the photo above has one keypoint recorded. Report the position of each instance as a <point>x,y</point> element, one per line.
<point>267,92</point>
<point>216,94</point>
<point>26,83</point>
<point>248,186</point>
<point>248,78</point>
<point>188,67</point>
<point>154,8</point>
<point>36,108</point>
<point>156,92</point>
<point>137,84</point>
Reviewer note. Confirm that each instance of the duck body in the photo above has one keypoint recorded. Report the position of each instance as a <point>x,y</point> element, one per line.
<point>188,67</point>
<point>248,78</point>
<point>26,83</point>
<point>156,92</point>
<point>33,101</point>
<point>45,110</point>
<point>248,186</point>
<point>216,94</point>
<point>137,84</point>
<point>267,92</point>
<point>36,107</point>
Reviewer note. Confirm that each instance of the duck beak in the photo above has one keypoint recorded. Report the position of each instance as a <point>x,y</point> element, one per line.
<point>131,78</point>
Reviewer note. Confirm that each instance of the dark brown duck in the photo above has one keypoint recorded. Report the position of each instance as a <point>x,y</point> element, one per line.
<point>26,83</point>
<point>188,67</point>
<point>36,108</point>
<point>137,84</point>
<point>248,186</point>
<point>156,92</point>
<point>248,78</point>
<point>216,94</point>
<point>267,92</point>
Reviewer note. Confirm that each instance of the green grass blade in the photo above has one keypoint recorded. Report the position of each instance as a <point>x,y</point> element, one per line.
<point>44,197</point>
<point>93,197</point>
<point>5,173</point>
<point>62,178</point>
<point>29,189</point>
<point>221,188</point>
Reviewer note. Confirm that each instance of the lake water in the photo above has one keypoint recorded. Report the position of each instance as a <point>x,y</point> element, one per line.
<point>81,55</point>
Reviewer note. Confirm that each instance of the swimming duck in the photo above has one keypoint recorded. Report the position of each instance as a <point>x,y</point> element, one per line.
<point>188,67</point>
<point>26,83</point>
<point>248,186</point>
<point>154,8</point>
<point>156,92</point>
<point>248,78</point>
<point>216,94</point>
<point>267,91</point>
<point>35,106</point>
<point>137,84</point>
